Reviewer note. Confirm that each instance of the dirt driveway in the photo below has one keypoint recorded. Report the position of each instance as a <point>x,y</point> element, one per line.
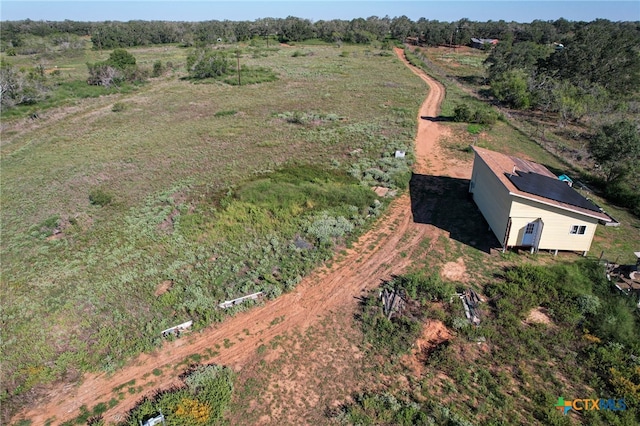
<point>382,252</point>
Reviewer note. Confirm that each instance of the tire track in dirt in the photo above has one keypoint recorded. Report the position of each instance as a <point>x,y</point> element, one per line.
<point>383,251</point>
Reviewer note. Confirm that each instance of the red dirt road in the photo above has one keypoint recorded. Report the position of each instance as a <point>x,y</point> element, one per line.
<point>375,257</point>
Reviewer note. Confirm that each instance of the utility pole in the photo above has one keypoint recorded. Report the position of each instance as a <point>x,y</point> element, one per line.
<point>238,57</point>
<point>451,45</point>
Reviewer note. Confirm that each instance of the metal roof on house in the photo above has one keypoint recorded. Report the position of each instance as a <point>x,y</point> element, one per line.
<point>532,181</point>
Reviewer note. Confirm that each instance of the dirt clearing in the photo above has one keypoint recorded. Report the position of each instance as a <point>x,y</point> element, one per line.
<point>455,271</point>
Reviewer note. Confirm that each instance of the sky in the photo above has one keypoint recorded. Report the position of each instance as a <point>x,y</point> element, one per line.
<point>203,10</point>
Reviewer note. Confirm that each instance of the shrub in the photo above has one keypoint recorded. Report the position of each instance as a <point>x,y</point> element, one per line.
<point>485,116</point>
<point>158,69</point>
<point>589,304</point>
<point>103,74</point>
<point>121,59</point>
<point>100,197</point>
<point>421,286</point>
<point>326,227</point>
<point>20,87</point>
<point>51,222</point>
<point>482,115</point>
<point>203,401</point>
<point>462,113</point>
<point>206,63</point>
<point>299,117</point>
<point>118,107</point>
<point>121,66</point>
<point>213,384</point>
<point>225,113</point>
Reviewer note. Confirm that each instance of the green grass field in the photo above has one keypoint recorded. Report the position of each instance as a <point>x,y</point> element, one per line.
<point>182,181</point>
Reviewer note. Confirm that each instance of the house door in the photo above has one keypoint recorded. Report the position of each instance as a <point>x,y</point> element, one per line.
<point>530,233</point>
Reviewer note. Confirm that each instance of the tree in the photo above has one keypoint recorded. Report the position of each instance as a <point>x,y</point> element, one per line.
<point>18,87</point>
<point>512,89</point>
<point>401,27</point>
<point>296,29</point>
<point>121,66</point>
<point>506,57</point>
<point>103,74</point>
<point>616,148</point>
<point>121,59</point>
<point>206,63</point>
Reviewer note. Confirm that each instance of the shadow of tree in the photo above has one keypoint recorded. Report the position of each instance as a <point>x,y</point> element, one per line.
<point>437,119</point>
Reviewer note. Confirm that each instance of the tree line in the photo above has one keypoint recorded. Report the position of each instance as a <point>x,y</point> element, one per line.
<point>115,34</point>
<point>589,76</point>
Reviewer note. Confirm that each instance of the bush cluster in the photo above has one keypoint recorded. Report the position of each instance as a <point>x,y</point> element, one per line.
<point>118,68</point>
<point>299,117</point>
<point>482,115</point>
<point>393,409</point>
<point>326,228</point>
<point>202,401</point>
<point>100,197</point>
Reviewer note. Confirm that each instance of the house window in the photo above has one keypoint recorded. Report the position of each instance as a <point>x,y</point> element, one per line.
<point>529,229</point>
<point>578,229</point>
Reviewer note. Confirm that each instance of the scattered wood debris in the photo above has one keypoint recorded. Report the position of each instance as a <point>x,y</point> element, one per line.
<point>470,302</point>
<point>178,329</point>
<point>392,302</point>
<point>234,302</point>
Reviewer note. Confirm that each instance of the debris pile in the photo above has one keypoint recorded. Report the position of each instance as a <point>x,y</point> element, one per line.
<point>470,302</point>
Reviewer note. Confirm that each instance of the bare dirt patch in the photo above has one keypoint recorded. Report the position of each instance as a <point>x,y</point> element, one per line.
<point>163,287</point>
<point>455,271</point>
<point>292,379</point>
<point>166,225</point>
<point>539,316</point>
<point>434,333</point>
<point>380,191</point>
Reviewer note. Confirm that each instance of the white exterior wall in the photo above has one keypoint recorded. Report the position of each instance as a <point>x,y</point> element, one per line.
<point>556,232</point>
<point>491,197</point>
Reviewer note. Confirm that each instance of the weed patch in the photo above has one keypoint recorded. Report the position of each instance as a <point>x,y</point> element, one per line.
<point>203,400</point>
<point>395,336</point>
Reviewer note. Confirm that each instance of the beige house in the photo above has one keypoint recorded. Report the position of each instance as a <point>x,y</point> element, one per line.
<point>528,206</point>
